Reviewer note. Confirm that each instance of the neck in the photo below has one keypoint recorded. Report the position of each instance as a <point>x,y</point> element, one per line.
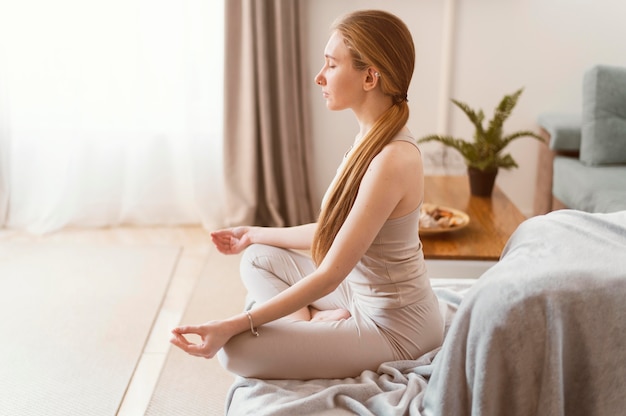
<point>369,112</point>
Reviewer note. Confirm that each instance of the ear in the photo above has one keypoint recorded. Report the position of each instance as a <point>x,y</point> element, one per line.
<point>371,79</point>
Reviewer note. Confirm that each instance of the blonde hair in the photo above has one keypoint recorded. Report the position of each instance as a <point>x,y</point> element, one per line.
<point>381,40</point>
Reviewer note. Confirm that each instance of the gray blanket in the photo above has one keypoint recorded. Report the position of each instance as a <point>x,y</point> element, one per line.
<point>543,331</point>
<point>540,333</point>
<point>395,389</point>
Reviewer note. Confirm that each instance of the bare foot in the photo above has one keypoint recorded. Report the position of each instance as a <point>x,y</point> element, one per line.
<point>329,315</point>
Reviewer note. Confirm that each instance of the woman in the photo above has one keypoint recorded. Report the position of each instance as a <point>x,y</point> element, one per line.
<point>364,297</point>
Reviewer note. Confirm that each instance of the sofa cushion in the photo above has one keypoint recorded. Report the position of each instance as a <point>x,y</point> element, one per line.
<point>564,130</point>
<point>589,188</point>
<point>603,136</point>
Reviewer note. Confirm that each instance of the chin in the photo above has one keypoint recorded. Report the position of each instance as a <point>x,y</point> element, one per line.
<point>333,107</point>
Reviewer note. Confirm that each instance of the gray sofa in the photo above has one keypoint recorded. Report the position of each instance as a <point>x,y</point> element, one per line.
<point>583,164</point>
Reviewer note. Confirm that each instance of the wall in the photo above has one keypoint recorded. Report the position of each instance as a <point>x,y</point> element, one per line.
<point>497,47</point>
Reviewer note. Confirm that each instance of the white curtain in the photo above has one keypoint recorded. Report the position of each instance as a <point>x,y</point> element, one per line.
<point>110,113</point>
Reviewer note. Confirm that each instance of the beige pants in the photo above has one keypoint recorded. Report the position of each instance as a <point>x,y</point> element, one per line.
<point>293,349</point>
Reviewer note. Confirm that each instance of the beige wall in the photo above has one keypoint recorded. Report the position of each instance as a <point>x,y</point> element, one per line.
<point>497,47</point>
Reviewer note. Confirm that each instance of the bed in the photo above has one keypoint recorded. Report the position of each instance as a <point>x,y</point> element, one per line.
<point>540,333</point>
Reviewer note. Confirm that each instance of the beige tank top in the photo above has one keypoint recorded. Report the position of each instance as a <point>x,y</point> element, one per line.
<point>392,273</point>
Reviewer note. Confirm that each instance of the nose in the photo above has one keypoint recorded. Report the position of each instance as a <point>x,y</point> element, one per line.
<point>319,79</point>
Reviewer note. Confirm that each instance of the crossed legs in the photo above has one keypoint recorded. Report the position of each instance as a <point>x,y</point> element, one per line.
<point>331,342</point>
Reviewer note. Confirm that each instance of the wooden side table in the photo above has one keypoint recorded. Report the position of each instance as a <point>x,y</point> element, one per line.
<point>492,221</point>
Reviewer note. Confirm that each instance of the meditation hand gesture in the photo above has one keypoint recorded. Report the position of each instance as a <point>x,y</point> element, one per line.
<point>213,336</point>
<point>231,240</point>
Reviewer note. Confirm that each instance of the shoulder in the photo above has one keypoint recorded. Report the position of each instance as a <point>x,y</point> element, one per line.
<point>398,166</point>
<point>401,153</point>
<point>405,136</point>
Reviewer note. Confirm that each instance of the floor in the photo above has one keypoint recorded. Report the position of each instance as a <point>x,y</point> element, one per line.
<point>196,247</point>
<point>196,250</point>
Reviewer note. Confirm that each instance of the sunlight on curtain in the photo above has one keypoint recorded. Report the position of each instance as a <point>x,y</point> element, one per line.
<point>111,112</point>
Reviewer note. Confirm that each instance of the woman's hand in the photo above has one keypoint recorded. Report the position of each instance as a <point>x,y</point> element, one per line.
<point>231,240</point>
<point>213,335</point>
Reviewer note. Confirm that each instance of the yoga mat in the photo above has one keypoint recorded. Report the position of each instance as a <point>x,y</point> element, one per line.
<point>74,319</point>
<point>190,386</point>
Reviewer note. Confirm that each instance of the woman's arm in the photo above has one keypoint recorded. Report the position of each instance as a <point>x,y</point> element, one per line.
<point>392,185</point>
<point>235,240</point>
<point>299,237</point>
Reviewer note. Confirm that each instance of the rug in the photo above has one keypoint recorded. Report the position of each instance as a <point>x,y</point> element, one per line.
<point>74,321</point>
<point>192,386</point>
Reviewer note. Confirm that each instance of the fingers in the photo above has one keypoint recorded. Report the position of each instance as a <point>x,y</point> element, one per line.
<point>188,329</point>
<point>219,240</point>
<point>213,334</point>
<point>229,239</point>
<point>219,237</point>
<point>198,350</point>
<point>180,341</point>
<point>223,241</point>
<point>223,235</point>
<point>222,232</point>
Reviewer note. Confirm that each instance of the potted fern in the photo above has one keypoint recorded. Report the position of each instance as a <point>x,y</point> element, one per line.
<point>484,156</point>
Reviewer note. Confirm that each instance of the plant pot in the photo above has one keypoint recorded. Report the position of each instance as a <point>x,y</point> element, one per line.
<point>481,181</point>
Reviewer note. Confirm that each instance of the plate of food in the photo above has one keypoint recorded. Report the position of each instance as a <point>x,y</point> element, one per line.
<point>439,219</point>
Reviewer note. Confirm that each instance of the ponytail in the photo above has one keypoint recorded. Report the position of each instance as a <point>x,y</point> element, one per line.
<point>342,196</point>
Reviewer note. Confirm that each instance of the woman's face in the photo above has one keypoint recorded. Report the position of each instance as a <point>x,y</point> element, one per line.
<point>342,84</point>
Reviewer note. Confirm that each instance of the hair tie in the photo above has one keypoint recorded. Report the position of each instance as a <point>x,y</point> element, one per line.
<point>401,98</point>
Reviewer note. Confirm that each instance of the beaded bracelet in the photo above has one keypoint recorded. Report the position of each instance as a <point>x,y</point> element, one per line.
<point>252,328</point>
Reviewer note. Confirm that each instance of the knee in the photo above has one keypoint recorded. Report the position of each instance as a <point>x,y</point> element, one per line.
<point>261,257</point>
<point>234,358</point>
<point>255,255</point>
<point>227,360</point>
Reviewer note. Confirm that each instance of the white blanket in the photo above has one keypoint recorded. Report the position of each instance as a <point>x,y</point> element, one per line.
<point>540,333</point>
